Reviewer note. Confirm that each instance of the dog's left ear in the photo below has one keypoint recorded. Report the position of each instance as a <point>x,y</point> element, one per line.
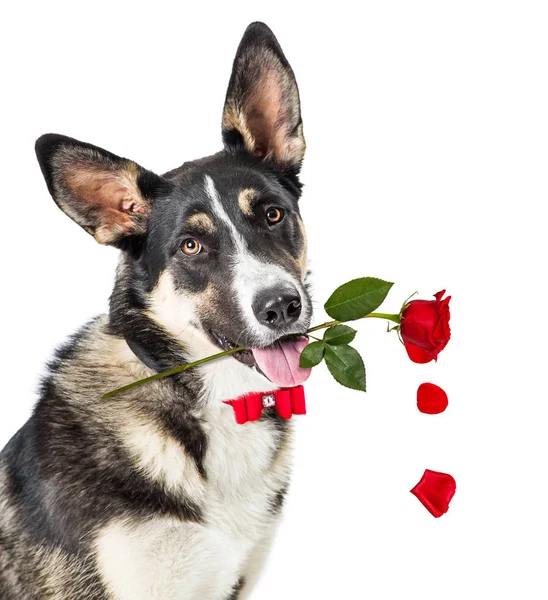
<point>110,197</point>
<point>262,110</point>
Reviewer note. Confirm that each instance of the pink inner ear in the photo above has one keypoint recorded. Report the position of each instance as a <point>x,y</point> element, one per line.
<point>109,198</point>
<point>116,192</point>
<point>129,205</point>
<point>265,115</point>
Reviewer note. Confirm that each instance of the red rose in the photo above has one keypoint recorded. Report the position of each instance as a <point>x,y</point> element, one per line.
<point>425,328</point>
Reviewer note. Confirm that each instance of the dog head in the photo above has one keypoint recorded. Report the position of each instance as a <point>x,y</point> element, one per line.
<point>214,252</point>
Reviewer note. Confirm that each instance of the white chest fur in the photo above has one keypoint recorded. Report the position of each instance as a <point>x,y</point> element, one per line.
<point>166,559</point>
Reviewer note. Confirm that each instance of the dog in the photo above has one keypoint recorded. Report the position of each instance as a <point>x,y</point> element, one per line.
<point>157,493</point>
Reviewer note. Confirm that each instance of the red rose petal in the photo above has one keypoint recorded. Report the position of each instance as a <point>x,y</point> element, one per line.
<point>417,355</point>
<point>431,399</point>
<point>439,296</point>
<point>435,490</point>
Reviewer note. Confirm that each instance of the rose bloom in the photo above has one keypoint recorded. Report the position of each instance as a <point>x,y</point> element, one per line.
<point>425,328</point>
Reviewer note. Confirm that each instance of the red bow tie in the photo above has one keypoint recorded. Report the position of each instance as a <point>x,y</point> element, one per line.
<point>287,401</point>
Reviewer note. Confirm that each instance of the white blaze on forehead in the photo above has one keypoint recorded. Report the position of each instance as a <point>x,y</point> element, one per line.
<point>250,274</point>
<point>220,211</point>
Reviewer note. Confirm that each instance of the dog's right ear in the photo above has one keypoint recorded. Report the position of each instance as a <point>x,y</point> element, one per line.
<point>262,111</point>
<point>110,197</point>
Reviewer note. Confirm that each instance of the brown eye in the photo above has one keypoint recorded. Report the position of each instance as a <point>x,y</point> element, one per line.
<point>274,215</point>
<point>191,247</point>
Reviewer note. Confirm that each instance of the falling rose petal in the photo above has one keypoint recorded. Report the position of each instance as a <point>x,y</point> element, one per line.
<point>431,399</point>
<point>435,491</point>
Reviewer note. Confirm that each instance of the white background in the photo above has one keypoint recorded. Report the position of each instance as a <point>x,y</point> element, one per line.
<point>427,135</point>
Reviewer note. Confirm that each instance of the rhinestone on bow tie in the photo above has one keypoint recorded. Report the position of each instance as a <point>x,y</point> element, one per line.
<point>269,401</point>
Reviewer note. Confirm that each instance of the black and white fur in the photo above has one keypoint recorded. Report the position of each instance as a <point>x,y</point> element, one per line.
<point>157,493</point>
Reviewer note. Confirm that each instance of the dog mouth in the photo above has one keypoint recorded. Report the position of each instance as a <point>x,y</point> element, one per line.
<point>243,356</point>
<point>278,362</point>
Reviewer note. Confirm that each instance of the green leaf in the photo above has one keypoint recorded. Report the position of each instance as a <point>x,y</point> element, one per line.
<point>357,298</point>
<point>339,334</point>
<point>346,366</point>
<point>312,355</point>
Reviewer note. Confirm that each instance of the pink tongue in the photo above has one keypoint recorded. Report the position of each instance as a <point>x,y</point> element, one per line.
<point>280,362</point>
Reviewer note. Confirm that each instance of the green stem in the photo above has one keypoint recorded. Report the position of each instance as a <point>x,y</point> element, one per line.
<point>373,315</point>
<point>313,337</point>
<point>170,372</point>
<point>395,318</point>
<point>323,326</point>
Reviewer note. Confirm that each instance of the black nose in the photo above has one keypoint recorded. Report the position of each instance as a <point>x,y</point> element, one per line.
<point>277,308</point>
